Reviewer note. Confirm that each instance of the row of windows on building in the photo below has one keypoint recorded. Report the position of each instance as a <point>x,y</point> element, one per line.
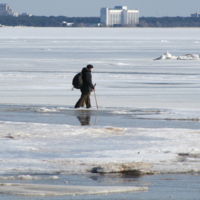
<point>120,15</point>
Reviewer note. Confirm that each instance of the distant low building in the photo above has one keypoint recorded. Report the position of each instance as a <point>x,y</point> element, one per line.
<point>119,16</point>
<point>26,14</point>
<point>64,23</point>
<point>195,15</point>
<point>69,24</point>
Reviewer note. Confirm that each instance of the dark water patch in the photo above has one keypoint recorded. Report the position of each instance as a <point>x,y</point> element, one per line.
<point>160,187</point>
<point>190,155</point>
<point>115,117</point>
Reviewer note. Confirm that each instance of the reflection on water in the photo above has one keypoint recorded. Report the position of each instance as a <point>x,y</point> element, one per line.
<point>84,120</point>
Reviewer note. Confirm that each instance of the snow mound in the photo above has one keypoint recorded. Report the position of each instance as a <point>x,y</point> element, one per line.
<point>167,56</point>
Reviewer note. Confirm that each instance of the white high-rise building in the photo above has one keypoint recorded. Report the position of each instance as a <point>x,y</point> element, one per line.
<point>120,15</point>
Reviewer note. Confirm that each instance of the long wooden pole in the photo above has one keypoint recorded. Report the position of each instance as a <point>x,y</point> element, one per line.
<point>95,97</point>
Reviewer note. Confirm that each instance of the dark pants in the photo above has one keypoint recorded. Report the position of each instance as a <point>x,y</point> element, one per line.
<point>85,99</point>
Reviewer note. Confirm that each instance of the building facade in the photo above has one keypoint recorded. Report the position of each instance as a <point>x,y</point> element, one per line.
<point>120,15</point>
<point>5,10</point>
<point>195,15</point>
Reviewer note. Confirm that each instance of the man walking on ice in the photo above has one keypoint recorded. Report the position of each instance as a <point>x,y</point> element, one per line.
<point>86,88</point>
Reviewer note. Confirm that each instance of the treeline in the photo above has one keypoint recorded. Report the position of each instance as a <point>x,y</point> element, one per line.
<point>169,22</point>
<point>52,21</point>
<point>43,21</point>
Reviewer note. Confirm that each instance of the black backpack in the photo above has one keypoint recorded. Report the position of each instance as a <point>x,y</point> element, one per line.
<point>77,81</point>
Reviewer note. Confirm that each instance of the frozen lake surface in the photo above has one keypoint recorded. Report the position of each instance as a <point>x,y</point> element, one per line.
<point>148,117</point>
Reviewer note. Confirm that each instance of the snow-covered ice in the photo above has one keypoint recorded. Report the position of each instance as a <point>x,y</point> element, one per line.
<point>149,111</point>
<point>65,148</point>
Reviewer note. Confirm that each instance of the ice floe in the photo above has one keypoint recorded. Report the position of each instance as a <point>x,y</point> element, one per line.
<point>58,190</point>
<point>29,177</point>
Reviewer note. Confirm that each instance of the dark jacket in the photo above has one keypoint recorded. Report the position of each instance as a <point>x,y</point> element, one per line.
<point>87,81</point>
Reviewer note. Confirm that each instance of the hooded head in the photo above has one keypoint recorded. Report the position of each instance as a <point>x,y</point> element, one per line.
<point>90,67</point>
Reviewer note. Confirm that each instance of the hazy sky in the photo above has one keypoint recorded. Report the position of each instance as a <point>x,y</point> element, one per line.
<point>88,8</point>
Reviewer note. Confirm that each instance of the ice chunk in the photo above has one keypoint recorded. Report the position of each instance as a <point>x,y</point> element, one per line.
<point>136,168</point>
<point>189,57</point>
<point>7,177</point>
<point>29,177</point>
<point>164,41</point>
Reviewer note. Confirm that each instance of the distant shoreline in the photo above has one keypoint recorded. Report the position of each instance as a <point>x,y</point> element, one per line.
<point>98,27</point>
<point>64,21</point>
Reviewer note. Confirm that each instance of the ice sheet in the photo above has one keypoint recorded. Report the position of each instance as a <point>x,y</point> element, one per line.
<point>149,111</point>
